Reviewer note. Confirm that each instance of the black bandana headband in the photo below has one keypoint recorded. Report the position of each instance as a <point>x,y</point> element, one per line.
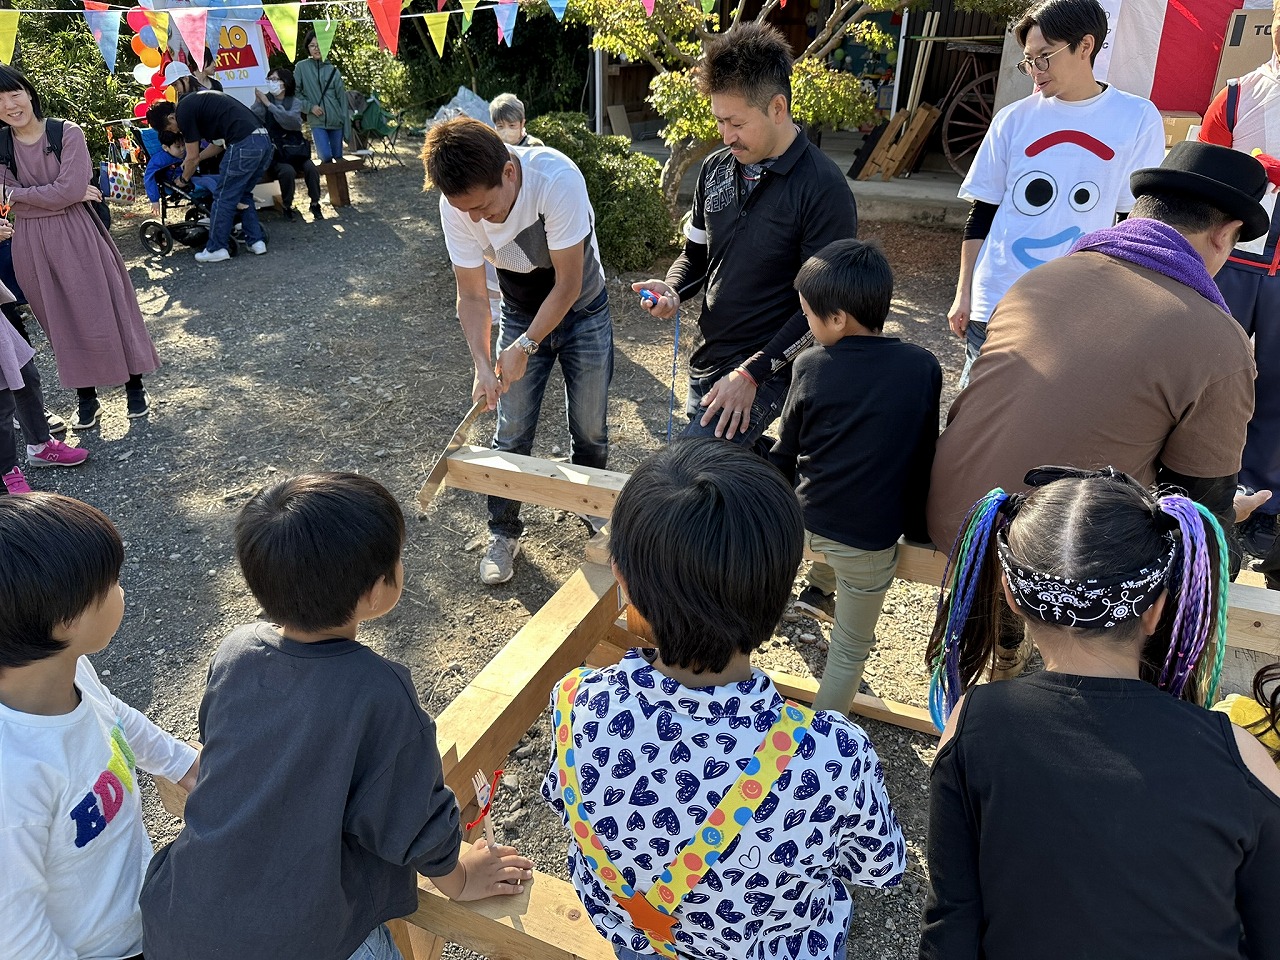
<point>1094,604</point>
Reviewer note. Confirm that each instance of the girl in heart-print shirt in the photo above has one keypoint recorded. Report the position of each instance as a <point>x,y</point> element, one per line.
<point>657,745</point>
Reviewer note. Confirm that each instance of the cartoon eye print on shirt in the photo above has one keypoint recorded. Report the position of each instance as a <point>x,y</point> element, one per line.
<point>1037,192</point>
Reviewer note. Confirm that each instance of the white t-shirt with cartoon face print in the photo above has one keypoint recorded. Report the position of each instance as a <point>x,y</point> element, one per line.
<point>1057,170</point>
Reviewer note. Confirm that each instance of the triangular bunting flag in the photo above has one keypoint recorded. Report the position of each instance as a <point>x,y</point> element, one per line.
<point>468,11</point>
<point>325,32</point>
<point>386,18</point>
<point>557,7</point>
<point>105,27</point>
<point>506,12</point>
<point>438,24</point>
<point>466,24</point>
<point>8,34</point>
<point>440,4</point>
<point>708,6</point>
<point>284,18</point>
<point>191,23</point>
<point>648,7</point>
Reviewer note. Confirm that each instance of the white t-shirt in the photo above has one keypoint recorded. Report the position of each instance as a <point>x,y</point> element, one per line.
<point>1058,170</point>
<point>73,849</point>
<point>552,212</point>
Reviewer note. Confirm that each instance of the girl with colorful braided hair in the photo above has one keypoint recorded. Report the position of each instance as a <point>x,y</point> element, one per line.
<point>1156,823</point>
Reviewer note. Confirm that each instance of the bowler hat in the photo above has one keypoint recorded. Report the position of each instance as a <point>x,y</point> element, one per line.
<point>1226,179</point>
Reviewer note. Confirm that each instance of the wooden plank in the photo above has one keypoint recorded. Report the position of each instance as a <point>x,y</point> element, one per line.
<point>1253,622</point>
<point>875,162</point>
<point>545,922</point>
<point>561,486</point>
<point>488,718</point>
<point>804,689</point>
<point>618,121</point>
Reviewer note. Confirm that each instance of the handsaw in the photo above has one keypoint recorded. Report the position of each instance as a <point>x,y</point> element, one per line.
<point>441,467</point>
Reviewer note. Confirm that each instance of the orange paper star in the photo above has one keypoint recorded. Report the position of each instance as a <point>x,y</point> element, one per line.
<point>645,916</point>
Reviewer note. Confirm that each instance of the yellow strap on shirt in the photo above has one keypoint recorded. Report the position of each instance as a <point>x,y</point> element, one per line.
<point>651,912</point>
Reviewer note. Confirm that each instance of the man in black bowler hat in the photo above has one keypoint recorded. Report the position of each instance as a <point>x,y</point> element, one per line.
<point>1121,353</point>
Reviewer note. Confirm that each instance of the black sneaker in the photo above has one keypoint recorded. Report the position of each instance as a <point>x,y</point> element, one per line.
<point>87,415</point>
<point>289,215</point>
<point>316,212</point>
<point>821,606</point>
<point>56,424</point>
<point>138,403</point>
<point>1258,534</point>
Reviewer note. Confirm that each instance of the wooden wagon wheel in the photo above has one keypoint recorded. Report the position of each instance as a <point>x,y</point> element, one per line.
<point>966,121</point>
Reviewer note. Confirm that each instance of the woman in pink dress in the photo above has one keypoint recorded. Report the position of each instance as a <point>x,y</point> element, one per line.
<point>66,262</point>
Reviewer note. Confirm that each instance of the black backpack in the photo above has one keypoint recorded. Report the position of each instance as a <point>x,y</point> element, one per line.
<point>53,132</point>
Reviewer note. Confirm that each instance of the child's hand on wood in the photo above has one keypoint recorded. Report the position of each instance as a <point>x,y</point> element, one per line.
<point>485,871</point>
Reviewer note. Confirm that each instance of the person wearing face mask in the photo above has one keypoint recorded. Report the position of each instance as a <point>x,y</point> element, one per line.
<point>322,98</point>
<point>278,110</point>
<point>507,113</point>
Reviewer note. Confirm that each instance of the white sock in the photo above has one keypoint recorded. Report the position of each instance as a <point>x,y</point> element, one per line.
<point>32,451</point>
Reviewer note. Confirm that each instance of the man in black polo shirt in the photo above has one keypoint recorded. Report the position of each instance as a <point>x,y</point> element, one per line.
<point>213,115</point>
<point>762,206</point>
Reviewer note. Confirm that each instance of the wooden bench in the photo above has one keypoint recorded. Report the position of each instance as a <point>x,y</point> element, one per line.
<point>335,177</point>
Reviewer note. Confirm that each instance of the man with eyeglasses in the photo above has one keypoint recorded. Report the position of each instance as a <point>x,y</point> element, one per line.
<point>1052,167</point>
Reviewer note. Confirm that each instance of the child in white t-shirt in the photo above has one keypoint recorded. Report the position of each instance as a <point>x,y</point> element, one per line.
<point>1052,166</point>
<point>73,848</point>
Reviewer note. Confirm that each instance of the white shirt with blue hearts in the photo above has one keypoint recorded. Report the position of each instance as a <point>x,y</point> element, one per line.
<point>653,759</point>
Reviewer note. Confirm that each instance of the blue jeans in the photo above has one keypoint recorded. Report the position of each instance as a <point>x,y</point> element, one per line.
<point>770,396</point>
<point>242,167</point>
<point>7,276</point>
<point>328,143</point>
<point>583,343</point>
<point>975,335</point>
<point>378,946</point>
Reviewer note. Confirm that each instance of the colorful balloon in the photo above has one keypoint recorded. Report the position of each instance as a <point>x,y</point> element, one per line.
<point>143,73</point>
<point>148,36</point>
<point>140,109</point>
<point>136,18</point>
<point>171,94</point>
<point>137,45</point>
<point>150,57</point>
<point>151,96</point>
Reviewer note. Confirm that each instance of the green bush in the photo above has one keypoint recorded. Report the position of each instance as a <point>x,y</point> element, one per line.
<point>632,225</point>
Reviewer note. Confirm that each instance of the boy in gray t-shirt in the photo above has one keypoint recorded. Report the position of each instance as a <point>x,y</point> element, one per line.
<point>321,790</point>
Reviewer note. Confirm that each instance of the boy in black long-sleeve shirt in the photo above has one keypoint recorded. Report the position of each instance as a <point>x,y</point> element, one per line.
<point>858,433</point>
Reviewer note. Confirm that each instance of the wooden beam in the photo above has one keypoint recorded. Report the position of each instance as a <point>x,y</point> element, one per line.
<point>486,720</point>
<point>561,486</point>
<point>545,922</point>
<point>800,688</point>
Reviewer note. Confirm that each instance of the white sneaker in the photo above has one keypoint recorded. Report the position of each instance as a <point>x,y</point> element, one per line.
<point>497,564</point>
<point>213,256</point>
<point>258,248</point>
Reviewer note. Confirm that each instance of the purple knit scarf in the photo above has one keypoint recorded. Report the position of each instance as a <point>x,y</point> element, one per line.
<point>1155,246</point>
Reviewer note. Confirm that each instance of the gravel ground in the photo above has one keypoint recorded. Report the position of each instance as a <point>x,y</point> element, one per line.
<point>339,350</point>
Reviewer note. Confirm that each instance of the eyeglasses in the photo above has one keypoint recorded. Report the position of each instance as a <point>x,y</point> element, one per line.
<point>1040,63</point>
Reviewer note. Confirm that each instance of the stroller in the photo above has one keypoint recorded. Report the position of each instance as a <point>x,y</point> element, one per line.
<point>158,236</point>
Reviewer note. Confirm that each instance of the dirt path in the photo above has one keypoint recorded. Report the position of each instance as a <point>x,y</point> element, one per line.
<point>339,350</point>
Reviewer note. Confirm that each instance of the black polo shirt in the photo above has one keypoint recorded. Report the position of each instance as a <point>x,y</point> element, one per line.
<point>755,243</point>
<point>212,115</point>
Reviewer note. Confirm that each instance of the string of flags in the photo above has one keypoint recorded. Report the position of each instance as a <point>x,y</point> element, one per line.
<point>162,35</point>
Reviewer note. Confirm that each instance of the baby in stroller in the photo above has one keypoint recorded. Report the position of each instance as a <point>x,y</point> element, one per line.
<point>158,234</point>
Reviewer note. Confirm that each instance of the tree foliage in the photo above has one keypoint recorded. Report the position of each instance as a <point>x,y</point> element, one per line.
<point>57,53</point>
<point>671,41</point>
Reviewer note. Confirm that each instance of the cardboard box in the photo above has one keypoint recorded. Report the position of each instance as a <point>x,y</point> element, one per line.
<point>1246,46</point>
<point>1178,124</point>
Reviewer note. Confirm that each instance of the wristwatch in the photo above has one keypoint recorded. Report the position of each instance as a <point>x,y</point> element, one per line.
<point>525,345</point>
